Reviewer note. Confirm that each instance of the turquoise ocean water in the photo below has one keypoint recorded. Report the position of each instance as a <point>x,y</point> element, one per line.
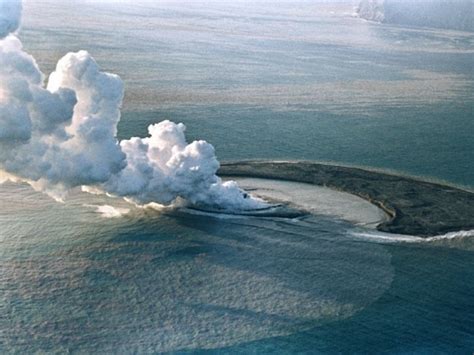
<point>284,80</point>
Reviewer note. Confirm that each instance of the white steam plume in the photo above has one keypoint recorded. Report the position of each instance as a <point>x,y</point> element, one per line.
<point>64,135</point>
<point>10,13</point>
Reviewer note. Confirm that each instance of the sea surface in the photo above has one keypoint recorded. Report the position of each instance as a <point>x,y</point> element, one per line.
<point>265,80</point>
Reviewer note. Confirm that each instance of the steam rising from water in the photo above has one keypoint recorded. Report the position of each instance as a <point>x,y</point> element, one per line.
<point>10,13</point>
<point>64,135</point>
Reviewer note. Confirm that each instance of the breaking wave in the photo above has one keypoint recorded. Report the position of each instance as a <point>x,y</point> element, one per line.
<point>453,238</point>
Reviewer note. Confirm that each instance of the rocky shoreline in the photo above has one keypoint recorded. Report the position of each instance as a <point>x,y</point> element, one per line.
<point>416,207</point>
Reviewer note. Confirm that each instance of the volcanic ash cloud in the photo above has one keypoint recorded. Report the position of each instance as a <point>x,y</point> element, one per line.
<point>64,135</point>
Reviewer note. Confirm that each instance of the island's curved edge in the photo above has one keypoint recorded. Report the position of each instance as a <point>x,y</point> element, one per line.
<point>415,207</point>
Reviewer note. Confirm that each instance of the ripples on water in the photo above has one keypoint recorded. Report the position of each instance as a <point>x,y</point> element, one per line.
<point>148,280</point>
<point>300,82</point>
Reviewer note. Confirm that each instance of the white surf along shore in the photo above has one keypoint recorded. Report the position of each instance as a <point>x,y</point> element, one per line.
<point>325,201</point>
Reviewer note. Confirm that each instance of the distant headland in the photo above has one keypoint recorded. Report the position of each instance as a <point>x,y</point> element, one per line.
<point>416,207</point>
<point>448,14</point>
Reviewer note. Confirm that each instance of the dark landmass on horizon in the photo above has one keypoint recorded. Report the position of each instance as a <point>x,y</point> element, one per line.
<point>416,207</point>
<point>447,14</point>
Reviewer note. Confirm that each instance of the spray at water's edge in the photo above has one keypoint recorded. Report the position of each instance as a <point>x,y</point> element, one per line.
<point>64,135</point>
<point>400,238</point>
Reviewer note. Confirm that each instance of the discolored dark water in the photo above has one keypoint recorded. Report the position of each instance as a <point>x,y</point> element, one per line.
<point>293,81</point>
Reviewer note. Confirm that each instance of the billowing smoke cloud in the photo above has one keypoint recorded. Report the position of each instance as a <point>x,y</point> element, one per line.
<point>64,135</point>
<point>10,13</point>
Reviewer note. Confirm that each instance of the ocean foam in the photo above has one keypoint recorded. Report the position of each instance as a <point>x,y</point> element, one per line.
<point>452,239</point>
<point>108,211</point>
